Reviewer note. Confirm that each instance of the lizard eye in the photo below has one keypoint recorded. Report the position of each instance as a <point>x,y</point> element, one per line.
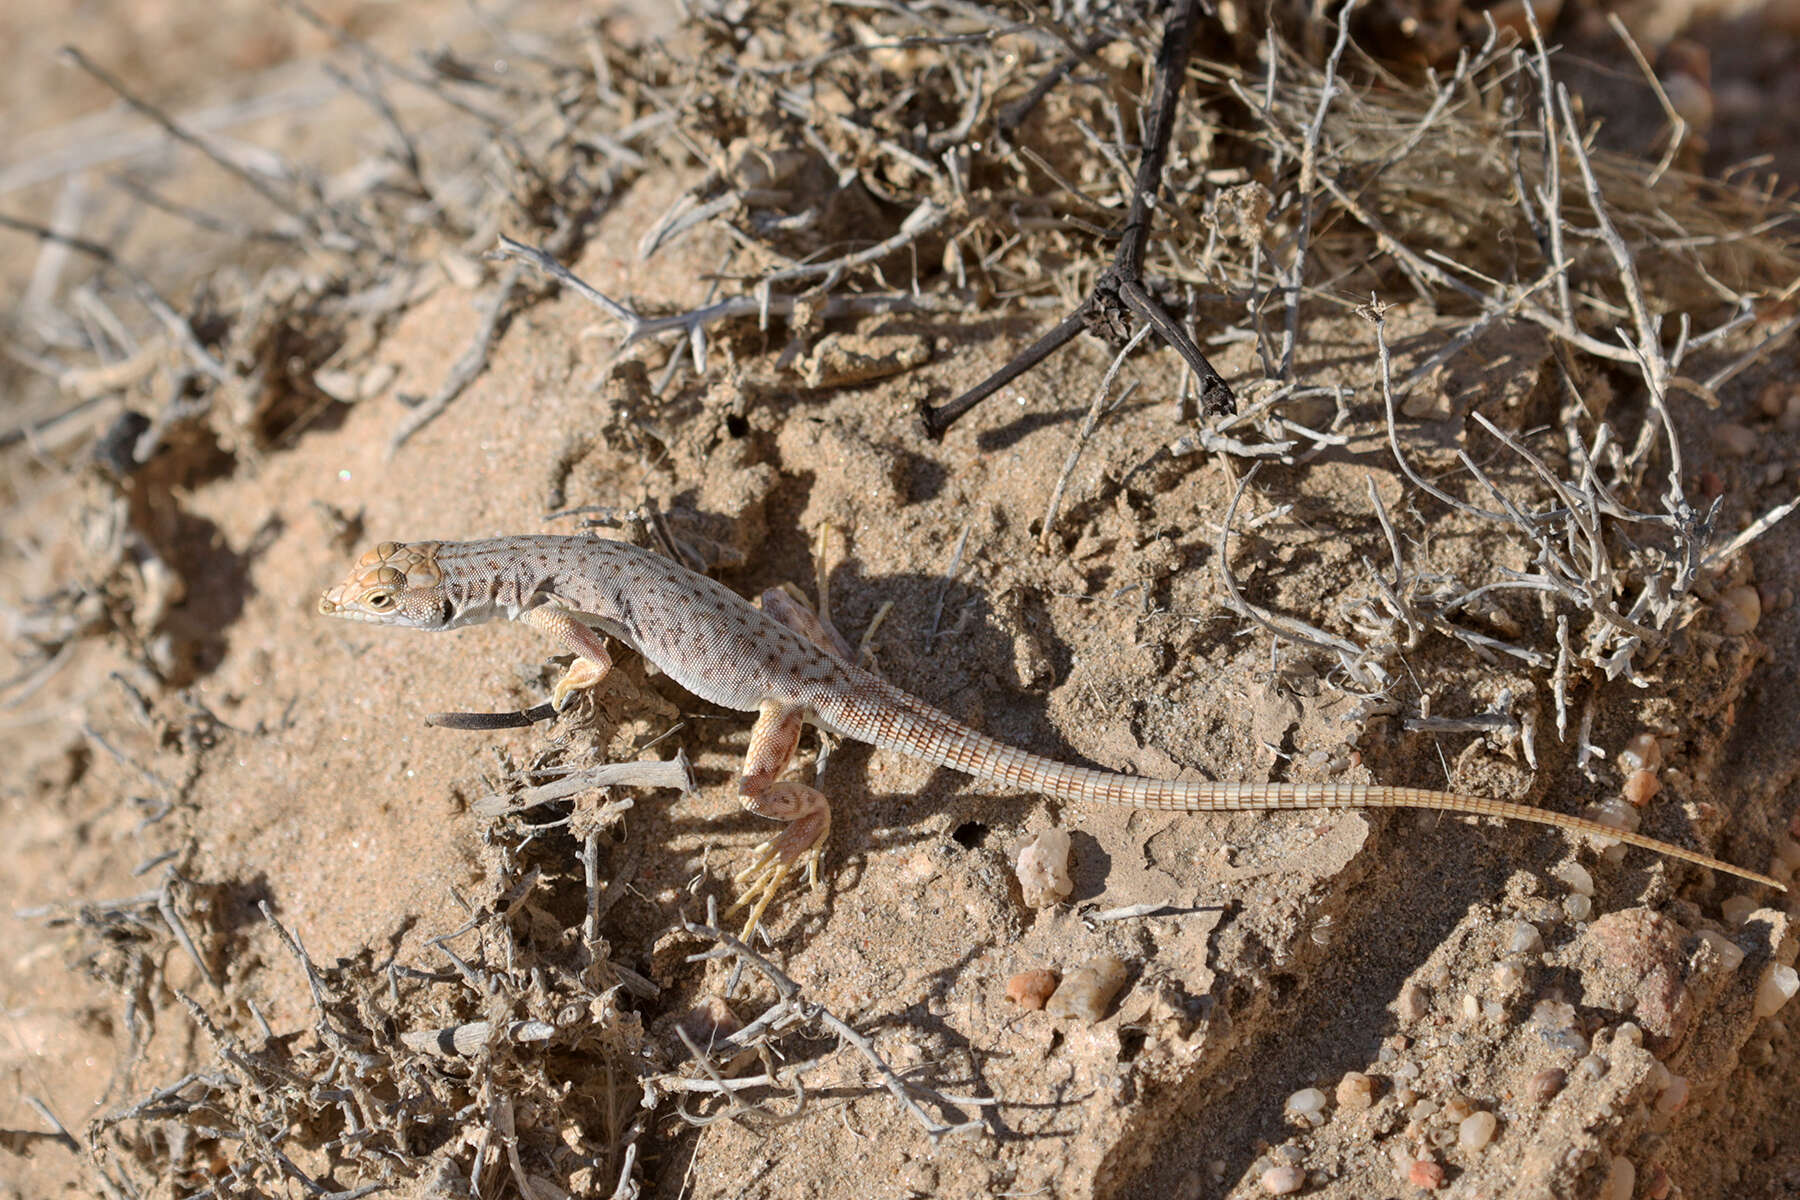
<point>380,601</point>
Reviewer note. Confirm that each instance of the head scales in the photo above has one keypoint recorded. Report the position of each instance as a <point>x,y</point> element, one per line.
<point>396,583</point>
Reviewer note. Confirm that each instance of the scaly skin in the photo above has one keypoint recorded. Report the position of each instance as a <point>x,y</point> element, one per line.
<point>781,664</point>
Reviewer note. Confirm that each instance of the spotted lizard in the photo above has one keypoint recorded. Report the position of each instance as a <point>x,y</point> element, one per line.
<point>782,663</point>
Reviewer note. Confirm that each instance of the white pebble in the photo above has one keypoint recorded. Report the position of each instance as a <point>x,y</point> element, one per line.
<point>1525,938</point>
<point>1779,983</point>
<point>1579,879</point>
<point>1740,608</point>
<point>1579,907</point>
<point>1476,1130</point>
<point>1307,1107</point>
<point>1508,977</point>
<point>1043,869</point>
<point>1553,1014</point>
<point>1642,753</point>
<point>1730,953</point>
<point>1471,1007</point>
<point>1618,813</point>
<point>1283,1180</point>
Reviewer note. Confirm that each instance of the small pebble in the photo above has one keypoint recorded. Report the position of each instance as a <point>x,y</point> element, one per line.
<point>1355,1091</point>
<point>1456,1108</point>
<point>1426,1173</point>
<point>1579,907</point>
<point>1593,1067</point>
<point>1734,440</point>
<point>1674,1097</point>
<point>1306,1107</point>
<point>1031,990</point>
<point>1772,398</point>
<point>1553,1014</point>
<point>1525,938</point>
<point>1085,994</point>
<point>1659,1185</point>
<point>1283,1180</point>
<point>1043,869</point>
<point>1414,1002</point>
<point>1641,787</point>
<point>1779,983</point>
<point>1508,977</point>
<point>1740,608</point>
<point>1619,813</point>
<point>1731,955</point>
<point>1642,753</point>
<point>1614,811</point>
<point>1787,849</point>
<point>1547,1083</point>
<point>1476,1130</point>
<point>1737,909</point>
<point>1579,879</point>
<point>1423,1111</point>
<point>1691,98</point>
<point>1621,1179</point>
<point>710,1020</point>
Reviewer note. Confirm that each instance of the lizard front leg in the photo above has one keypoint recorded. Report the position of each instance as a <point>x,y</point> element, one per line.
<point>805,809</point>
<point>592,661</point>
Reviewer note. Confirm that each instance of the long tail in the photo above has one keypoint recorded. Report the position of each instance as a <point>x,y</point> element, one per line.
<point>926,733</point>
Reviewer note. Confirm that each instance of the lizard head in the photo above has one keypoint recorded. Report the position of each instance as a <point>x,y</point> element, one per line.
<point>396,583</point>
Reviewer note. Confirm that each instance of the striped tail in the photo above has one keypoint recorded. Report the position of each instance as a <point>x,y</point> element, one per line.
<point>895,720</point>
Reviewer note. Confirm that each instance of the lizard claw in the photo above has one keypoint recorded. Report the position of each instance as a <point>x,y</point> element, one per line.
<point>580,676</point>
<point>775,860</point>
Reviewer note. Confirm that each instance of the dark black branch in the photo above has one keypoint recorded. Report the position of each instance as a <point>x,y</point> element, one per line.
<point>1120,288</point>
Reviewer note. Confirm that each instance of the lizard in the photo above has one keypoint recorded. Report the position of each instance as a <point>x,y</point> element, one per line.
<point>783,663</point>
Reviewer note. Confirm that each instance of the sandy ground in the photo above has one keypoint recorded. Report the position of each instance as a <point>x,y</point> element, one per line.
<point>1610,1025</point>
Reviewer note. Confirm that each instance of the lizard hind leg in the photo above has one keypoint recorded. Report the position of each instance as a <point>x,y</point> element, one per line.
<point>804,809</point>
<point>784,607</point>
